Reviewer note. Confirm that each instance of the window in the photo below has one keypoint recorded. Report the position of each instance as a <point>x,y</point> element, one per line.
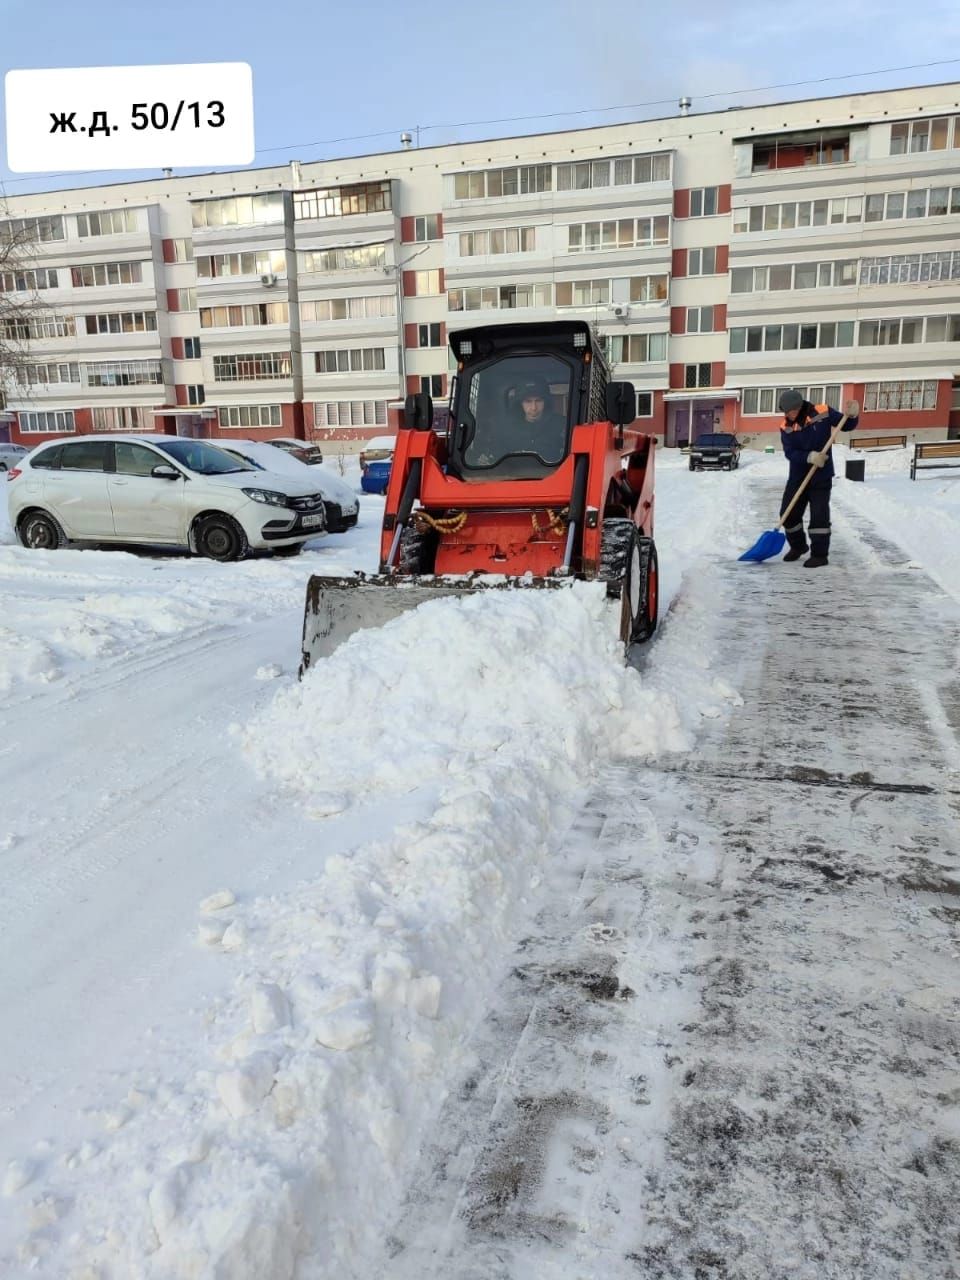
<point>186,299</point>
<point>239,317</point>
<point>885,396</point>
<point>791,337</point>
<point>252,368</point>
<point>121,322</point>
<point>249,415</point>
<point>363,257</point>
<point>696,375</point>
<point>260,263</point>
<point>44,375</point>
<point>701,262</point>
<point>85,455</point>
<point>27,281</point>
<point>182,250</point>
<point>135,459</point>
<point>350,413</point>
<point>117,419</point>
<point>428,335</point>
<point>644,404</point>
<point>582,293</point>
<point>500,297</point>
<point>372,308</point>
<point>499,240</point>
<point>498,183</point>
<point>341,202</point>
<point>239,211</point>
<point>100,274</point>
<point>638,348</point>
<point>426,283</point>
<point>699,320</point>
<point>124,373</point>
<point>703,202</point>
<point>427,228</point>
<point>432,384</point>
<point>191,348</point>
<point>648,288</point>
<point>764,400</point>
<point>110,222</point>
<point>634,170</point>
<point>915,136</point>
<point>25,330</point>
<point>624,233</point>
<point>36,230</point>
<point>195,395</point>
<point>51,421</point>
<point>357,360</point>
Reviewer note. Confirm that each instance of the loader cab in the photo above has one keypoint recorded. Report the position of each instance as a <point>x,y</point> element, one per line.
<point>519,392</point>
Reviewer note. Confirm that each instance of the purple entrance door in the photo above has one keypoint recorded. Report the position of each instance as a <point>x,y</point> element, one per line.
<point>702,423</point>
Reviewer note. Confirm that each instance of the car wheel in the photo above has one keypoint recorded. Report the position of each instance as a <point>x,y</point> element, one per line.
<point>293,550</point>
<point>40,532</point>
<point>221,538</point>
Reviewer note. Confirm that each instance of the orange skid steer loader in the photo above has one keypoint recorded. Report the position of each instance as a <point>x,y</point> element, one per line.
<point>537,482</point>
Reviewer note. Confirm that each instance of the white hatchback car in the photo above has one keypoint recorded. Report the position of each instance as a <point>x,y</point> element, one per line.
<point>340,503</point>
<point>161,491</point>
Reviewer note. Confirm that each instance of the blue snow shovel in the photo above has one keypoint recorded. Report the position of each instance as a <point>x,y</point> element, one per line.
<point>772,542</point>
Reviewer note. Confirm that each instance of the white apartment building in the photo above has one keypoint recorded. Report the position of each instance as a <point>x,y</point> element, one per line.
<point>724,256</point>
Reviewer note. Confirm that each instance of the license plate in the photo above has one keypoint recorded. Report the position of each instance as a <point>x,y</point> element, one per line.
<point>311,522</point>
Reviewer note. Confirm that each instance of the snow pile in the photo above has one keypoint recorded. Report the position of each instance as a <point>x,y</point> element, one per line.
<point>355,993</point>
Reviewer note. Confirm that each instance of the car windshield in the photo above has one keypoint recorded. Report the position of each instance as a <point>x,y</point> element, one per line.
<point>244,458</point>
<point>205,459</point>
<point>518,405</point>
<point>716,439</point>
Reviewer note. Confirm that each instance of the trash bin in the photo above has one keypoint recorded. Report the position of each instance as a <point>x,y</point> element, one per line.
<point>855,468</point>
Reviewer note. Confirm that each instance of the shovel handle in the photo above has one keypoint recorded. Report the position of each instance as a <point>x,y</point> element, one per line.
<point>810,474</point>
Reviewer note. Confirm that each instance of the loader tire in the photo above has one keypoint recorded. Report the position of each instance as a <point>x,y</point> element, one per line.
<point>417,551</point>
<point>628,565</point>
<point>644,619</point>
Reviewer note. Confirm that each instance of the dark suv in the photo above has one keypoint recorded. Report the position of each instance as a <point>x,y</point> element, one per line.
<point>719,450</point>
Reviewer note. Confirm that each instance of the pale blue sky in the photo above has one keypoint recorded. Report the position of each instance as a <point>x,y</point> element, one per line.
<point>325,72</point>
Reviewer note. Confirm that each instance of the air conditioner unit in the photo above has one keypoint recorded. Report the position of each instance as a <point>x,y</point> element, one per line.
<point>621,310</point>
<point>268,280</point>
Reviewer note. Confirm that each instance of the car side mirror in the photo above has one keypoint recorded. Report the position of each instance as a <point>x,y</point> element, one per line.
<point>418,412</point>
<point>163,471</point>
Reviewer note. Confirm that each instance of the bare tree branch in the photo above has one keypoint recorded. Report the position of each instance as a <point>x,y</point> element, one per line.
<point>22,310</point>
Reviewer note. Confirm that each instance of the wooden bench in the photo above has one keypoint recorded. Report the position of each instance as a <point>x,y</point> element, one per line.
<point>878,442</point>
<point>934,454</point>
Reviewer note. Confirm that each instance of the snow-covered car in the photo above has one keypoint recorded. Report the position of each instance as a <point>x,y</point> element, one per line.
<point>340,503</point>
<point>310,453</point>
<point>160,491</point>
<point>10,455</point>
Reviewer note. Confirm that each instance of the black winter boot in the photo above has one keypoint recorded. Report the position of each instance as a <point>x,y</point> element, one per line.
<point>795,553</point>
<point>815,562</point>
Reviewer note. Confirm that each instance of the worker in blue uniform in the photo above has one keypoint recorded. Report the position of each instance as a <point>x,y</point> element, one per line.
<point>804,435</point>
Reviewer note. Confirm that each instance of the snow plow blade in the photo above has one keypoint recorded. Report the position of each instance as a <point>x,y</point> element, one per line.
<point>337,607</point>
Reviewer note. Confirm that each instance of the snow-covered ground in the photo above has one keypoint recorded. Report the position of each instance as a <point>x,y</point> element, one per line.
<point>248,924</point>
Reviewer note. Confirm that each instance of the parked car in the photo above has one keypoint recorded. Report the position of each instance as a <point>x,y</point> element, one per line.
<point>10,455</point>
<point>340,503</point>
<point>160,491</point>
<point>720,450</point>
<point>376,463</point>
<point>313,454</point>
